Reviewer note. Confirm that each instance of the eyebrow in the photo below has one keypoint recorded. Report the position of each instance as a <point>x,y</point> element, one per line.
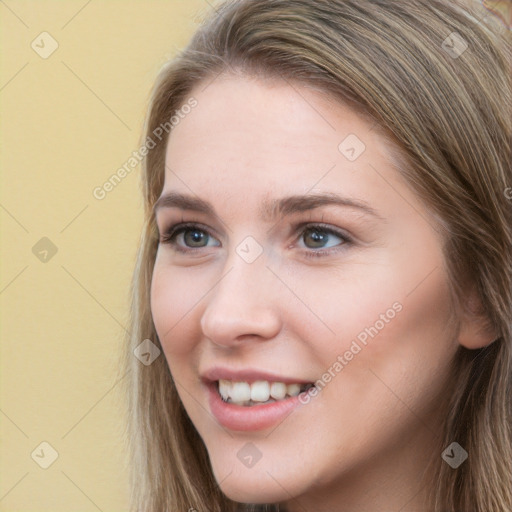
<point>271,209</point>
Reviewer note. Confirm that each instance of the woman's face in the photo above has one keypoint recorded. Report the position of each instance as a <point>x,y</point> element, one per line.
<point>313,263</point>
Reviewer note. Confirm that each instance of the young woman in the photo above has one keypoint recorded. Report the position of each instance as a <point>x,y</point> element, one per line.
<point>323,288</point>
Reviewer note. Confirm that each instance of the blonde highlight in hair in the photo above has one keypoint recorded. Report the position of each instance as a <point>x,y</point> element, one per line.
<point>449,120</point>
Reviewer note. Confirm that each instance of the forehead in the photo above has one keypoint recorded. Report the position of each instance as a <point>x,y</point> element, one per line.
<point>254,112</point>
<point>267,128</point>
<point>249,142</point>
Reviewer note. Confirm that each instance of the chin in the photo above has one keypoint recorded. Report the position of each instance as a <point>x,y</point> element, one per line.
<point>252,487</point>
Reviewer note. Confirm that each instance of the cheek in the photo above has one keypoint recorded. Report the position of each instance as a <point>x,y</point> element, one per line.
<point>420,334</point>
<point>388,369</point>
<point>395,308</point>
<point>393,338</point>
<point>172,307</point>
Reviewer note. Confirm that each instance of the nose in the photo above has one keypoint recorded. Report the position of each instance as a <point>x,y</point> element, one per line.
<point>243,305</point>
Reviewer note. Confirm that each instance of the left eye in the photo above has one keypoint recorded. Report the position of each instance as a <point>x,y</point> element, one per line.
<point>319,237</point>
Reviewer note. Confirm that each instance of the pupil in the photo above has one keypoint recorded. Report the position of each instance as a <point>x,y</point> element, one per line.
<point>317,236</point>
<point>196,237</point>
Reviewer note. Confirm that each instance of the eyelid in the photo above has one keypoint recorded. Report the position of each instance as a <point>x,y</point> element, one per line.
<point>322,226</point>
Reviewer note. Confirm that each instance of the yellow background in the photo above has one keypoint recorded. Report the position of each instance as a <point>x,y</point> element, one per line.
<point>68,122</point>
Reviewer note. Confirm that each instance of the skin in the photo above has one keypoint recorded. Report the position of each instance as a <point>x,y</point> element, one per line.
<point>363,442</point>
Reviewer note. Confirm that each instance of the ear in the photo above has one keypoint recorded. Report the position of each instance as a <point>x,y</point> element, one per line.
<point>476,329</point>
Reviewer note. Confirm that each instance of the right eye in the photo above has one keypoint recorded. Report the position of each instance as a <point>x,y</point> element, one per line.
<point>186,237</point>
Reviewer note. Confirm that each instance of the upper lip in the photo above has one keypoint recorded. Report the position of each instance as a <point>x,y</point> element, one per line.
<point>247,375</point>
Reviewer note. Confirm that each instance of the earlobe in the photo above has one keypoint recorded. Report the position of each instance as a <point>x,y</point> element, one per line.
<point>476,329</point>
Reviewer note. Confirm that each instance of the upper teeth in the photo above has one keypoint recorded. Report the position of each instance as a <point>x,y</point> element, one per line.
<point>259,391</point>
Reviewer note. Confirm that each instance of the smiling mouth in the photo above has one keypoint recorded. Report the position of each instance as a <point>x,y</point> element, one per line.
<point>259,392</point>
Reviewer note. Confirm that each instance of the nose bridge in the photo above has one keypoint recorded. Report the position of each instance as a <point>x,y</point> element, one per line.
<point>243,302</point>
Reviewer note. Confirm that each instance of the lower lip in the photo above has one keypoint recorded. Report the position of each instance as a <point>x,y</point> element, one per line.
<point>256,417</point>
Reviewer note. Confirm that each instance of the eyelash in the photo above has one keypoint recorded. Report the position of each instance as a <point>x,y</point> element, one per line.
<point>174,230</point>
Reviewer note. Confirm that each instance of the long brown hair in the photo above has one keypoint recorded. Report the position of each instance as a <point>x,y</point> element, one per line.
<point>446,109</point>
